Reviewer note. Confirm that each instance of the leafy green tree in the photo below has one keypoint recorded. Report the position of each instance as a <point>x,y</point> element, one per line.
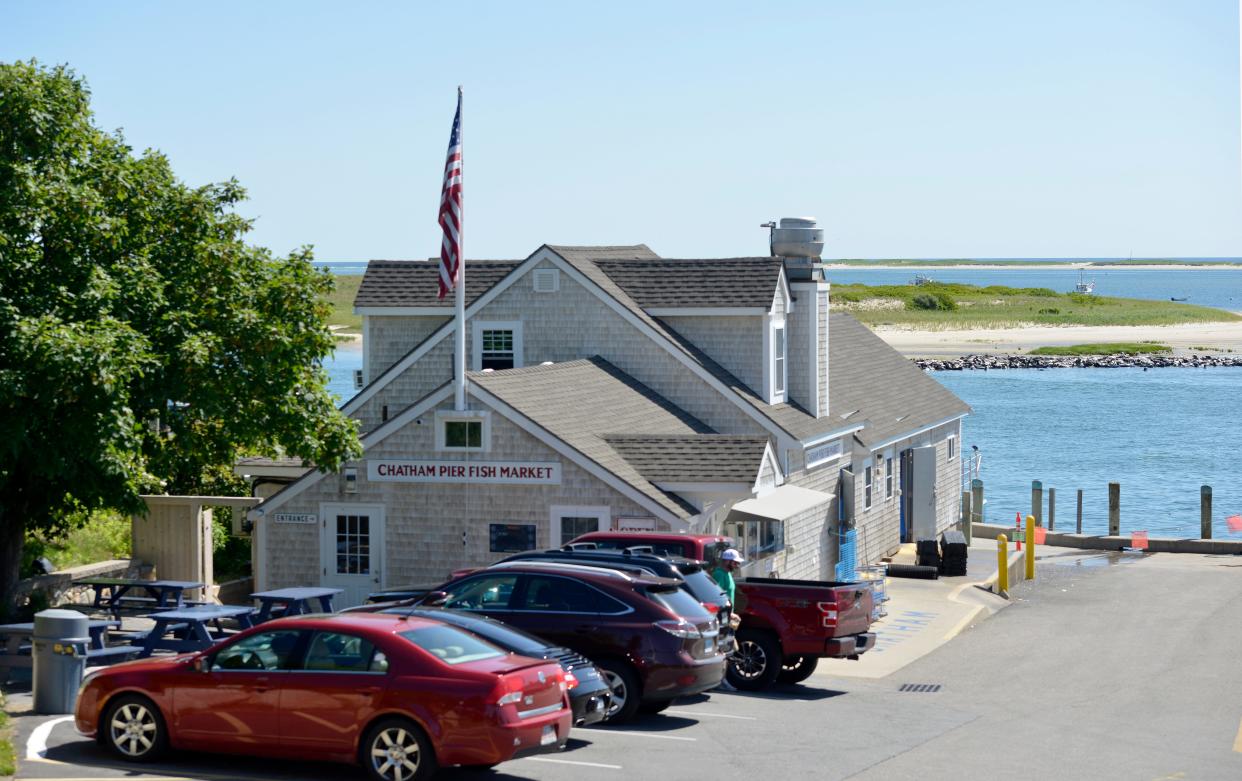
<point>143,344</point>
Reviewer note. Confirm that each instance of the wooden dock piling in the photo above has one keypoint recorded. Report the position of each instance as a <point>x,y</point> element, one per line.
<point>1078,528</point>
<point>1205,512</point>
<point>1114,509</point>
<point>1052,508</point>
<point>1037,502</point>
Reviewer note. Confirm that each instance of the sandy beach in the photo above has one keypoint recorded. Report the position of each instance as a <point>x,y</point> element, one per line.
<point>1184,339</point>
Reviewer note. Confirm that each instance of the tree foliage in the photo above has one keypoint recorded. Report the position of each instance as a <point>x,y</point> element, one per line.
<point>143,344</point>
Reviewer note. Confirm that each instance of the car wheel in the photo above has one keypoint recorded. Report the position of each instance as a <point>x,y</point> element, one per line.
<point>626,693</point>
<point>755,661</point>
<point>133,729</point>
<point>398,750</point>
<point>797,669</point>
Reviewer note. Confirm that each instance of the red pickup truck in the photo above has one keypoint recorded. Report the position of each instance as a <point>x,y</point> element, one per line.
<point>787,625</point>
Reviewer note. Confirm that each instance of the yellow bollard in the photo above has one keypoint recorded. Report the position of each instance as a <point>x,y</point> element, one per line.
<point>1002,563</point>
<point>1030,547</point>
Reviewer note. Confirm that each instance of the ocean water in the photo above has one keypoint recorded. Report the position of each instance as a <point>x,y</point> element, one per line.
<point>1160,433</point>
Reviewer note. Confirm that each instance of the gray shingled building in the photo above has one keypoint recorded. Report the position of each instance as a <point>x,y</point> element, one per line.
<point>609,388</point>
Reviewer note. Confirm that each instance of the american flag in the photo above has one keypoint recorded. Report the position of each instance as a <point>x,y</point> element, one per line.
<point>451,209</point>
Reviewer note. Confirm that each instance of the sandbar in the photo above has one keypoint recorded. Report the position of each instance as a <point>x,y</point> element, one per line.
<point>1200,338</point>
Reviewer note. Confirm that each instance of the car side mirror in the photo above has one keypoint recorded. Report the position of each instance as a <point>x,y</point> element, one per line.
<point>202,664</point>
<point>435,598</point>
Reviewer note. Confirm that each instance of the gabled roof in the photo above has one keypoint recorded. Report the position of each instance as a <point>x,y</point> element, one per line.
<point>722,282</point>
<point>583,402</point>
<point>889,391</point>
<point>417,282</point>
<point>699,458</point>
<point>790,418</point>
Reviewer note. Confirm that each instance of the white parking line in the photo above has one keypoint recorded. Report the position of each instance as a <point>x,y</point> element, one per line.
<point>638,734</point>
<point>36,744</point>
<point>713,715</point>
<point>572,762</point>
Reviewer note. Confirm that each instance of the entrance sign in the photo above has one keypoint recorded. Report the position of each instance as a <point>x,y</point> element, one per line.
<point>294,517</point>
<point>480,472</point>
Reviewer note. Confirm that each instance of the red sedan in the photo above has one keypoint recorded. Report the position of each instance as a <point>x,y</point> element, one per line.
<point>398,695</point>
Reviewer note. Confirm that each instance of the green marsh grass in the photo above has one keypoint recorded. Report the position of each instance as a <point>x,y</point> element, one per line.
<point>997,306</point>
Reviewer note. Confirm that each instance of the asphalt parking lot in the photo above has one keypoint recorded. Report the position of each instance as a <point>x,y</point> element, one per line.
<point>827,719</point>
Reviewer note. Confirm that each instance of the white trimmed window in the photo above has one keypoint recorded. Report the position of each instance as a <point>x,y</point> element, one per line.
<point>497,345</point>
<point>888,477</point>
<point>571,522</point>
<point>952,447</point>
<point>868,478</point>
<point>463,431</point>
<point>775,359</point>
<point>779,355</point>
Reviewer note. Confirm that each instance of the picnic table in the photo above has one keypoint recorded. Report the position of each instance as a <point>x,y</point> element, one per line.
<point>18,639</point>
<point>116,594</point>
<point>190,626</point>
<point>283,602</point>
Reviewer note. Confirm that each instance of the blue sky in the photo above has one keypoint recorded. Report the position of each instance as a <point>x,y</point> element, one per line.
<point>909,128</point>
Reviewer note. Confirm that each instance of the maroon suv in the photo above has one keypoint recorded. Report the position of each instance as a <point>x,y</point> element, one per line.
<point>652,640</point>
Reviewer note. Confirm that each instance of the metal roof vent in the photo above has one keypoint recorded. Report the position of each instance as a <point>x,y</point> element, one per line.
<point>796,237</point>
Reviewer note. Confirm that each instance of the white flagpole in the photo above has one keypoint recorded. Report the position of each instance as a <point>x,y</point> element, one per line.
<point>459,398</point>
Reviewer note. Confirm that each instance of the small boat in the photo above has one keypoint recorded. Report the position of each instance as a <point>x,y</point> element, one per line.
<point>1086,286</point>
<point>920,279</point>
<point>1174,298</point>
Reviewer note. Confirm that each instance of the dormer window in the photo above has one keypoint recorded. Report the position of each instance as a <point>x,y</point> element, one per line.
<point>775,360</point>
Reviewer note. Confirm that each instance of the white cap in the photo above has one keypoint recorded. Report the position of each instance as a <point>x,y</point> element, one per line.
<point>731,554</point>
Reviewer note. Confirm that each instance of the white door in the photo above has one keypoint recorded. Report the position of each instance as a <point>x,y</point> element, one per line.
<point>352,545</point>
<point>923,486</point>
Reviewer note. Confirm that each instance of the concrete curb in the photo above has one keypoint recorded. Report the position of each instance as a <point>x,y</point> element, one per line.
<point>1092,542</point>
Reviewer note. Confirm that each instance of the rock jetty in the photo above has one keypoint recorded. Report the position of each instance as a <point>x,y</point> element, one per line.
<point>1076,362</point>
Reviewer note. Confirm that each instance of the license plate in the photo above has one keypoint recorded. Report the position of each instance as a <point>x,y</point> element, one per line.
<point>548,737</point>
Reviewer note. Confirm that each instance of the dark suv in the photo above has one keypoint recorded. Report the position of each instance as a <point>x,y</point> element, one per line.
<point>695,579</point>
<point>652,640</point>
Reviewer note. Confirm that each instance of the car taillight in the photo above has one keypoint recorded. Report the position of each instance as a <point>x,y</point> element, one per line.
<point>679,628</point>
<point>570,681</point>
<point>829,611</point>
<point>713,609</point>
<point>509,690</point>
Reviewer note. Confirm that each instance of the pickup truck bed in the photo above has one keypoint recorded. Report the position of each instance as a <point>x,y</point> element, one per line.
<point>787,625</point>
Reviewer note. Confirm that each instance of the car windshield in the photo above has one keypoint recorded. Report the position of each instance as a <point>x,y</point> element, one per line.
<point>503,635</point>
<point>452,645</point>
<point>703,586</point>
<point>679,602</point>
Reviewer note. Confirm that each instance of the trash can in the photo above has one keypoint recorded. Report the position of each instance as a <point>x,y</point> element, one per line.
<point>61,638</point>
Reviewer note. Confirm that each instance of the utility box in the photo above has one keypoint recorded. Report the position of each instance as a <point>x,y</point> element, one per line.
<point>60,641</point>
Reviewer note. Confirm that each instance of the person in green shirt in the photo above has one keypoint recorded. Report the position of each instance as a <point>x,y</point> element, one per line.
<point>729,562</point>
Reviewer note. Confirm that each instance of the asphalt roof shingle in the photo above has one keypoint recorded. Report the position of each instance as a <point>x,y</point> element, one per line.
<point>889,391</point>
<point>585,402</point>
<point>701,458</point>
<point>417,282</point>
<point>723,282</point>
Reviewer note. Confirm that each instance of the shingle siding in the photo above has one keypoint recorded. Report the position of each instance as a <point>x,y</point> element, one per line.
<point>424,521</point>
<point>735,342</point>
<point>390,337</point>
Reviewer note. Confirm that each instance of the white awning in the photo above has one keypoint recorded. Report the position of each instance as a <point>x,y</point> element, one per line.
<point>784,502</point>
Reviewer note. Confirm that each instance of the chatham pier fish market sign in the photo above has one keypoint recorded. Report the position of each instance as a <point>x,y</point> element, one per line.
<point>482,472</point>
